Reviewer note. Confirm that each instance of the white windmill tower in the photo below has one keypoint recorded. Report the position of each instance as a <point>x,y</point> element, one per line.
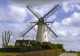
<point>42,24</point>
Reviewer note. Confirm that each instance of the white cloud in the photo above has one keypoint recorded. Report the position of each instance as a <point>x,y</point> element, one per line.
<point>66,6</point>
<point>17,13</point>
<point>70,5</point>
<point>73,19</point>
<point>66,21</point>
<point>78,7</point>
<point>13,13</point>
<point>72,46</point>
<point>68,32</point>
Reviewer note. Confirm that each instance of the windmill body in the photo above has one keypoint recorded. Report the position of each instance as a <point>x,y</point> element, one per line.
<point>41,32</point>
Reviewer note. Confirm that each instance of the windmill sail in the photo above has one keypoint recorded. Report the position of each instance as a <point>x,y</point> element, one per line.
<point>53,10</point>
<point>34,13</point>
<point>52,31</point>
<point>28,31</point>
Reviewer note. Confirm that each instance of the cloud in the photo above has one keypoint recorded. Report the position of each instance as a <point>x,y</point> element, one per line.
<point>72,20</point>
<point>23,3</point>
<point>69,31</point>
<point>17,13</point>
<point>70,6</point>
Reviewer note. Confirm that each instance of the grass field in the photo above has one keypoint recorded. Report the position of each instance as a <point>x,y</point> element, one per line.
<point>50,52</point>
<point>7,54</point>
<point>23,54</point>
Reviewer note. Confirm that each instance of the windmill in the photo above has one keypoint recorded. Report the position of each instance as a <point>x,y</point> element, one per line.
<point>42,25</point>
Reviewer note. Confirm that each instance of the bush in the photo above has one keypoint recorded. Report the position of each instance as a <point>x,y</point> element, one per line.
<point>34,45</point>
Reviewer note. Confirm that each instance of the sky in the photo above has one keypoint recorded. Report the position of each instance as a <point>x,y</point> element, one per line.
<point>15,17</point>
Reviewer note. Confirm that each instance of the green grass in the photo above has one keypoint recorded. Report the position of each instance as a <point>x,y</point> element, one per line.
<point>7,54</point>
<point>2,54</point>
<point>14,54</point>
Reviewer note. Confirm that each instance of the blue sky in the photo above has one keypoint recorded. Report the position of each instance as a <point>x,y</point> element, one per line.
<point>67,24</point>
